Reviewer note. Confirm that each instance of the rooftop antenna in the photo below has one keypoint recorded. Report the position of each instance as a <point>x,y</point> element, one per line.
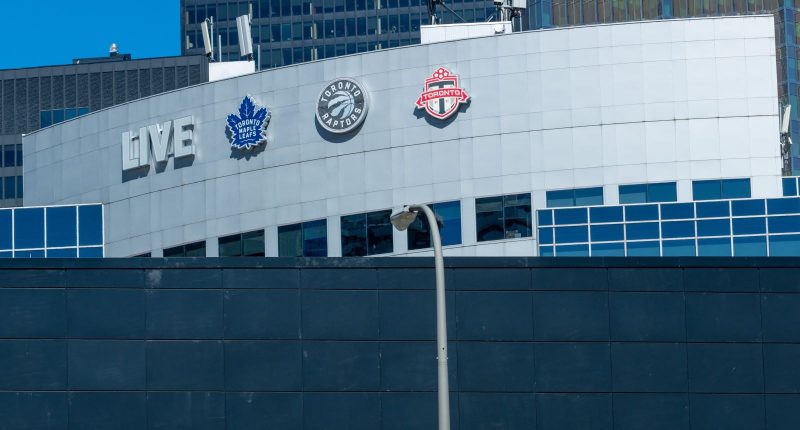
<point>208,47</point>
<point>245,38</point>
<point>786,141</point>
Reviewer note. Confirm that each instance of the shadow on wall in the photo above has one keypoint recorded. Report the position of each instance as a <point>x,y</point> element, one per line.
<point>438,123</point>
<point>334,137</point>
<point>143,171</point>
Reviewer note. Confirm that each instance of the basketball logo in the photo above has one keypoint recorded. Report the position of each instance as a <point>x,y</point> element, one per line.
<point>342,106</point>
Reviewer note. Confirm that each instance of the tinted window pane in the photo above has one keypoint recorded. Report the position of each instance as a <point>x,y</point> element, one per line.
<point>419,234</point>
<point>561,198</point>
<point>608,250</point>
<point>38,253</point>
<point>230,246</point>
<point>706,190</point>
<point>546,251</point>
<point>290,240</point>
<point>747,207</point>
<point>666,192</point>
<point>90,225</point>
<point>789,186</point>
<point>354,235</point>
<point>379,232</point>
<point>606,214</point>
<point>784,246</point>
<point>752,246</point>
<point>19,161</point>
<point>679,248</point>
<point>713,227</point>
<point>643,249</point>
<point>607,232</point>
<point>197,249</point>
<point>677,229</point>
<point>517,211</point>
<point>572,234</point>
<point>712,209</point>
<point>677,211</point>
<point>570,216</point>
<point>749,226</point>
<point>62,226</point>
<point>633,194</point>
<point>572,251</point>
<point>5,229</point>
<point>6,254</point>
<point>784,224</point>
<point>546,236</point>
<point>315,238</point>
<point>450,215</point>
<point>717,247</point>
<point>9,183</point>
<point>783,206</point>
<point>96,252</point>
<point>589,196</point>
<point>176,251</point>
<point>8,156</point>
<point>19,187</point>
<point>736,189</point>
<point>545,217</point>
<point>648,230</point>
<point>29,228</point>
<point>253,244</point>
<point>641,213</point>
<point>489,218</point>
<point>62,253</point>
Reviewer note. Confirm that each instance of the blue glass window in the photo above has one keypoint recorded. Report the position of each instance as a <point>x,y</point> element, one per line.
<point>545,217</point>
<point>712,209</point>
<point>716,247</point>
<point>5,229</point>
<point>572,234</point>
<point>19,162</point>
<point>648,230</point>
<point>677,211</point>
<point>62,226</point>
<point>576,197</point>
<point>750,246</point>
<point>784,224</point>
<point>570,216</point>
<point>607,232</point>
<point>546,236</point>
<point>195,249</point>
<point>367,234</point>
<point>58,116</point>
<point>29,228</point>
<point>307,239</point>
<point>784,246</point>
<point>517,213</point>
<point>19,187</point>
<point>36,253</point>
<point>789,186</point>
<point>641,213</point>
<point>9,183</point>
<point>783,206</point>
<point>736,189</point>
<point>606,214</point>
<point>6,254</point>
<point>747,207</point>
<point>90,225</point>
<point>97,252</point>
<point>633,194</point>
<point>608,249</point>
<point>354,235</point>
<point>250,244</point>
<point>546,251</point>
<point>8,156</point>
<point>677,229</point>
<point>572,251</point>
<point>679,248</point>
<point>706,190</point>
<point>648,193</point>
<point>643,249</point>
<point>713,227</point>
<point>503,217</point>
<point>62,253</point>
<point>749,226</point>
<point>45,118</point>
<point>448,216</point>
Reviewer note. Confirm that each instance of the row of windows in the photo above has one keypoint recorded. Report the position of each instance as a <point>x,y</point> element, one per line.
<point>55,116</point>
<point>790,186</point>
<point>11,155</point>
<point>56,231</point>
<point>699,228</point>
<point>653,193</point>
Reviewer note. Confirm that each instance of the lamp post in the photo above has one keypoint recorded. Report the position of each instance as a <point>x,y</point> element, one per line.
<point>401,221</point>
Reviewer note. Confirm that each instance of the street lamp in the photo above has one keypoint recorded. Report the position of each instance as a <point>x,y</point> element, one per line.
<point>401,221</point>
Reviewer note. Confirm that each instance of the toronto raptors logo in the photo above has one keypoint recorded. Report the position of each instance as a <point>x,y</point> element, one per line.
<point>442,95</point>
<point>342,106</point>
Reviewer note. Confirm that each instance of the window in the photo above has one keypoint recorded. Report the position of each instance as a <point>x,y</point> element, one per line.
<point>90,225</point>
<point>143,255</point>
<point>9,160</point>
<point>448,218</point>
<point>249,244</point>
<point>367,234</point>
<point>29,228</point>
<point>789,187</point>
<point>8,187</point>
<point>308,239</point>
<point>503,217</point>
<point>721,189</point>
<point>196,249</point>
<point>62,226</point>
<point>648,193</point>
<point>575,197</point>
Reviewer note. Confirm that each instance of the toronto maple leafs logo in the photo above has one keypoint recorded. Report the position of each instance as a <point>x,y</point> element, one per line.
<point>249,128</point>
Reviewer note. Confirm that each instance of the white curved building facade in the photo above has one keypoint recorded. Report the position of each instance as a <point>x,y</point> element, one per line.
<point>584,107</point>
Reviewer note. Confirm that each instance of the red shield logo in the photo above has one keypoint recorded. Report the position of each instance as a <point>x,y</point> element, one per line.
<point>442,95</point>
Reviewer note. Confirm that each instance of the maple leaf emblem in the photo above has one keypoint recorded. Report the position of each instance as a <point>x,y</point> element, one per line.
<point>248,129</point>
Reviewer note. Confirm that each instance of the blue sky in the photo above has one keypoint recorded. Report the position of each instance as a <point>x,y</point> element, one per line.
<point>48,32</point>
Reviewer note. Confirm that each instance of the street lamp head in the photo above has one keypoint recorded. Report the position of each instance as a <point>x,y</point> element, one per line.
<point>403,219</point>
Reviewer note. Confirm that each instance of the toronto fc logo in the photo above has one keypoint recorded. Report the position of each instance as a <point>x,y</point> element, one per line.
<point>442,95</point>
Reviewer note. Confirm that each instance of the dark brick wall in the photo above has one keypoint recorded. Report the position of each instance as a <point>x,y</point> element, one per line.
<point>547,344</point>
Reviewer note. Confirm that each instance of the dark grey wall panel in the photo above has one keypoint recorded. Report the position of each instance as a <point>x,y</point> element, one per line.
<point>335,344</point>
